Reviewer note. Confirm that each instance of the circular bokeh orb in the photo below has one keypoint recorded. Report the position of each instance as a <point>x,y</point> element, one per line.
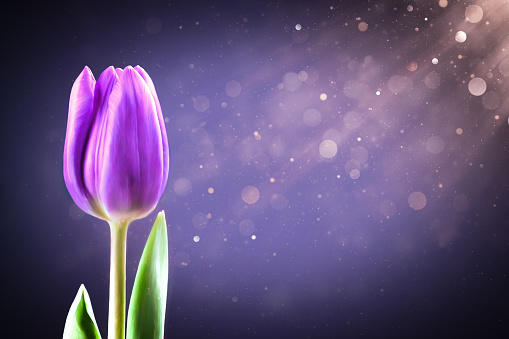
<point>417,200</point>
<point>250,195</point>
<point>477,86</point>
<point>460,36</point>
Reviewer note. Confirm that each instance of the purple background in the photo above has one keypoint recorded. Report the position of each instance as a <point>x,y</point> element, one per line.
<point>335,254</point>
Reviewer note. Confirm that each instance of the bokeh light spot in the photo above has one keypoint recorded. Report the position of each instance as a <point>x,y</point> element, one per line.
<point>490,100</point>
<point>182,186</point>
<point>201,103</point>
<point>352,164</point>
<point>412,66</point>
<point>355,174</point>
<point>432,80</point>
<point>302,76</point>
<point>200,220</point>
<point>417,200</point>
<point>247,227</point>
<point>328,149</point>
<point>291,81</point>
<point>250,195</point>
<point>473,14</point>
<point>460,36</point>
<point>332,134</point>
<point>477,86</point>
<point>312,117</point>
<point>435,144</point>
<point>182,259</point>
<point>233,88</point>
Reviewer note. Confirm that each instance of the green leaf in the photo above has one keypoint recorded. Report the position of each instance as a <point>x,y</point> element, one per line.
<point>80,323</point>
<point>148,300</point>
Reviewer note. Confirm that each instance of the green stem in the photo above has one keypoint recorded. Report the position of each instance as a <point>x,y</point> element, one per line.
<point>116,316</point>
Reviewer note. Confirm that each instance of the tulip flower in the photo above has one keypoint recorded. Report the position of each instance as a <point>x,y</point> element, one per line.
<point>116,160</point>
<point>116,155</point>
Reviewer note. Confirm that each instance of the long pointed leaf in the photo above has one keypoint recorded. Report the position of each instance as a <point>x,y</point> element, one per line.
<point>148,301</point>
<point>80,323</point>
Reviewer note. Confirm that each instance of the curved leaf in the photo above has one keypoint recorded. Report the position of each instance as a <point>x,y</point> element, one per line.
<point>148,301</point>
<point>80,323</point>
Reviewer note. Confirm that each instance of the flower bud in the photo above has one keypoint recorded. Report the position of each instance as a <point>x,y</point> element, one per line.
<point>116,154</point>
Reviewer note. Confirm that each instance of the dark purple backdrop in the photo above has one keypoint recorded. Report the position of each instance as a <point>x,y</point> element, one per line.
<point>335,171</point>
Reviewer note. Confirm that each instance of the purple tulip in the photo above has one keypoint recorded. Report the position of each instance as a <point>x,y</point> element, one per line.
<point>116,155</point>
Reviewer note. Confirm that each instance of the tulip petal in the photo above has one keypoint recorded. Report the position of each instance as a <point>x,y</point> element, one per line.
<point>92,159</point>
<point>131,151</point>
<point>79,122</point>
<point>166,149</point>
